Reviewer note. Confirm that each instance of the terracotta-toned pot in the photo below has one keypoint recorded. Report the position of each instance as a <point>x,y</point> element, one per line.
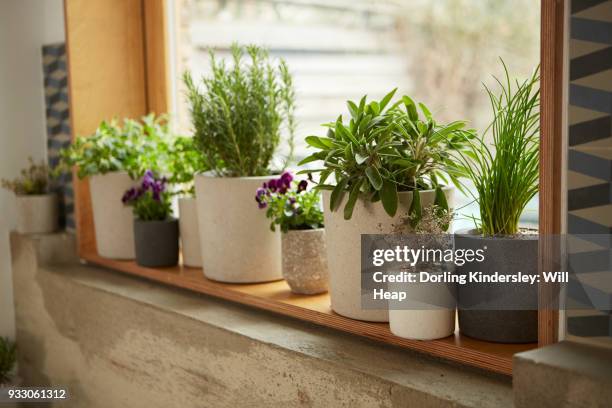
<point>343,240</point>
<point>190,232</point>
<point>236,243</point>
<point>305,261</point>
<point>112,219</point>
<point>37,214</point>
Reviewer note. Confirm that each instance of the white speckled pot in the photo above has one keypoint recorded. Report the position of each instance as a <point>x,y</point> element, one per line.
<point>113,220</point>
<point>343,240</point>
<point>305,261</point>
<point>190,235</point>
<point>37,214</point>
<point>236,243</point>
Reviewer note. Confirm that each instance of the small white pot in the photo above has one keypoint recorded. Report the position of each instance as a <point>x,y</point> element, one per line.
<point>37,214</point>
<point>113,221</point>
<point>428,312</point>
<point>237,245</point>
<point>305,261</point>
<point>190,235</point>
<point>343,240</point>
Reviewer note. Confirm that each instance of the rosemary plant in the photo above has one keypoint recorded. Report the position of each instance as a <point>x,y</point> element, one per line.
<point>240,112</point>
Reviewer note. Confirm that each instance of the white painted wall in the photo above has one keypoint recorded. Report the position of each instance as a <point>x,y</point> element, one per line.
<point>25,25</point>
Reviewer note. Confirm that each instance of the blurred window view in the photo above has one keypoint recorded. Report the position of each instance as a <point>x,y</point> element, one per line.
<point>438,52</point>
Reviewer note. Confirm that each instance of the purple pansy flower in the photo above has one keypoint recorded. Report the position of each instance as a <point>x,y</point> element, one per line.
<point>302,186</point>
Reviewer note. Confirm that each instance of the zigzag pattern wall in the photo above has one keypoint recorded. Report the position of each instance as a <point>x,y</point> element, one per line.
<point>590,167</point>
<point>58,124</point>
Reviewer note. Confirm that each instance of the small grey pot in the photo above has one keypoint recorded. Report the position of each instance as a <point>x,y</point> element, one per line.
<point>304,261</point>
<point>156,243</point>
<point>499,312</point>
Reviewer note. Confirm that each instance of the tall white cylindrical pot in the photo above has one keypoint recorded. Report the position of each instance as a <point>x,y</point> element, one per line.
<point>237,245</point>
<point>190,235</point>
<point>113,221</point>
<point>37,214</point>
<point>343,240</point>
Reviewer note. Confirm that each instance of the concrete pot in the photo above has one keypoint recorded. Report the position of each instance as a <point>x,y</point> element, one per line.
<point>343,241</point>
<point>236,243</point>
<point>304,261</point>
<point>428,312</point>
<point>37,214</point>
<point>156,243</point>
<point>190,235</point>
<point>485,310</point>
<point>112,219</point>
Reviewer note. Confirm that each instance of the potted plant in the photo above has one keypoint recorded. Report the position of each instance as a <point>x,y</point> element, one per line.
<point>185,161</point>
<point>428,312</point>
<point>156,232</point>
<point>237,115</point>
<point>297,212</point>
<point>112,158</point>
<point>505,177</point>
<point>386,161</point>
<point>8,357</point>
<point>37,208</point>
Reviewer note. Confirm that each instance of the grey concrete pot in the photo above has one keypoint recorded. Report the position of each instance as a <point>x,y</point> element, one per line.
<point>343,241</point>
<point>37,214</point>
<point>305,261</point>
<point>499,312</point>
<point>236,243</point>
<point>156,243</point>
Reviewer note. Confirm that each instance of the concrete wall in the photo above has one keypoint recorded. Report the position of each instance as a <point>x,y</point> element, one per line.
<point>117,341</point>
<point>25,25</point>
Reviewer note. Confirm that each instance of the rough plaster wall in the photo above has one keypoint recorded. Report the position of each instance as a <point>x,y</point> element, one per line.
<point>25,25</point>
<point>121,342</point>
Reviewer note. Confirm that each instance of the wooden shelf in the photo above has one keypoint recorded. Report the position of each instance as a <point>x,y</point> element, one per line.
<point>276,297</point>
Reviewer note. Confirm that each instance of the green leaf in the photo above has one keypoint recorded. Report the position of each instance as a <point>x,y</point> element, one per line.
<point>374,177</point>
<point>353,196</point>
<point>388,196</point>
<point>387,98</point>
<point>360,159</point>
<point>410,108</point>
<point>309,159</point>
<point>425,111</point>
<point>353,109</point>
<point>337,195</point>
<point>318,142</point>
<point>440,201</point>
<point>415,211</point>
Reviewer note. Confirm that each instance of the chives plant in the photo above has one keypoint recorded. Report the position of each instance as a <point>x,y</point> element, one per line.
<point>506,176</point>
<point>240,112</point>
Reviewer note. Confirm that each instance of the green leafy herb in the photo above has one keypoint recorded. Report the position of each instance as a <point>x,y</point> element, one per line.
<point>239,113</point>
<point>385,149</point>
<point>506,174</point>
<point>8,357</point>
<point>131,147</point>
<point>33,180</point>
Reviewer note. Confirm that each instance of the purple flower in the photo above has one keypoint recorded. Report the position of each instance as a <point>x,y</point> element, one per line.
<point>260,198</point>
<point>272,185</point>
<point>148,180</point>
<point>302,186</point>
<point>129,195</point>
<point>286,177</point>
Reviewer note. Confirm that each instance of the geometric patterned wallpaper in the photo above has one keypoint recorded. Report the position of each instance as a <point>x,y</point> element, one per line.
<point>589,173</point>
<point>58,125</point>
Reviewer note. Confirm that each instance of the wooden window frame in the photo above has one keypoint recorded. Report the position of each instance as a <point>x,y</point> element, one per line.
<point>118,67</point>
